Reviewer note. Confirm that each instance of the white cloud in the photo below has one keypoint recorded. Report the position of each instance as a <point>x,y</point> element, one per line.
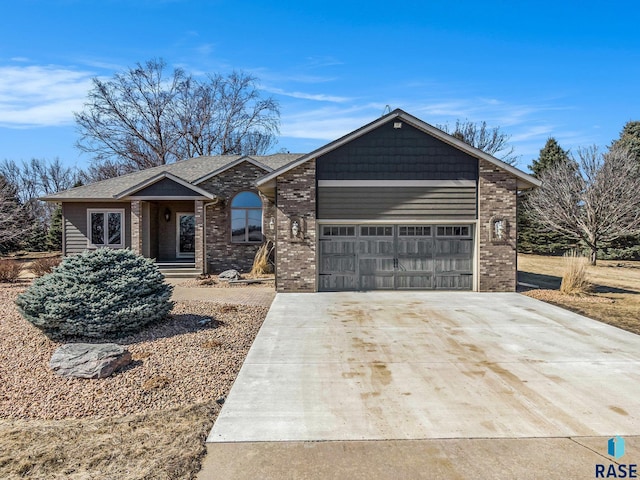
<point>320,97</point>
<point>327,123</point>
<point>41,95</point>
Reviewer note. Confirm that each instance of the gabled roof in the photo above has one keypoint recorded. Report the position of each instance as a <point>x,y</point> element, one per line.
<point>249,159</point>
<point>146,183</point>
<point>524,180</point>
<point>190,171</point>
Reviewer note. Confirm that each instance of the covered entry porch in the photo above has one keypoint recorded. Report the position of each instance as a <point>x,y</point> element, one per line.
<point>171,232</point>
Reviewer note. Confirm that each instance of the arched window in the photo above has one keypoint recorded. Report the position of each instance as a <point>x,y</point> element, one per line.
<point>246,218</point>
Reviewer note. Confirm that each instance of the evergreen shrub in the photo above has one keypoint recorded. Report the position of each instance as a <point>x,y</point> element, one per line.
<point>101,293</point>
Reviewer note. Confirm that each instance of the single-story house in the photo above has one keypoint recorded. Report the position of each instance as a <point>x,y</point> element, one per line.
<point>395,204</point>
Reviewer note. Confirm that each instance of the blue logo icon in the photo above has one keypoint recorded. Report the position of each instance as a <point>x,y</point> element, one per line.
<point>615,447</point>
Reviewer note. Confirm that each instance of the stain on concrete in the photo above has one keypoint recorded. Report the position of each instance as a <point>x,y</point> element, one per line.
<point>618,410</point>
<point>380,374</point>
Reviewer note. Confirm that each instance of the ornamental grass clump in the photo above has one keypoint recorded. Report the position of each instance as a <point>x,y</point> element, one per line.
<point>102,293</point>
<point>574,277</point>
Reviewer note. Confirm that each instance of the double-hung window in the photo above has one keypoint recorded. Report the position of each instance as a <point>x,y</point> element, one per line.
<point>105,227</point>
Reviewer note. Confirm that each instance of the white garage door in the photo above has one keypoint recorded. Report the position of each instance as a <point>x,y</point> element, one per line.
<point>386,257</point>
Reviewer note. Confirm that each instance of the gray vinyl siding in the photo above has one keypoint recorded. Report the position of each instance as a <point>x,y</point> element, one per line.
<point>406,153</point>
<point>397,204</point>
<point>166,188</point>
<point>75,224</point>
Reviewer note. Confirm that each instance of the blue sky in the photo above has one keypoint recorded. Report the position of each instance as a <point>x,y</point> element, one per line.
<point>536,69</point>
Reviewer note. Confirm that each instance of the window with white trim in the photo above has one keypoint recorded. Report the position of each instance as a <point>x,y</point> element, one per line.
<point>246,218</point>
<point>105,227</point>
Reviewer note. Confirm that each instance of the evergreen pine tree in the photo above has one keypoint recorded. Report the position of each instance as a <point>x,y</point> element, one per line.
<point>54,235</point>
<point>630,138</point>
<point>551,154</point>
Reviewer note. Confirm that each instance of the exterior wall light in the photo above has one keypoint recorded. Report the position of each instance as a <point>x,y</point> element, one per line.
<point>272,224</point>
<point>295,228</point>
<point>499,229</point>
<point>167,215</point>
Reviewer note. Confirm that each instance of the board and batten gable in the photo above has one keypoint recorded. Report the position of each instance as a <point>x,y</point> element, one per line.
<point>165,188</point>
<point>75,224</point>
<point>397,172</point>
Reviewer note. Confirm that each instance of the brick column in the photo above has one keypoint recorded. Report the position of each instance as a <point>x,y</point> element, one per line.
<point>496,201</point>
<point>199,240</point>
<point>136,226</point>
<point>296,257</point>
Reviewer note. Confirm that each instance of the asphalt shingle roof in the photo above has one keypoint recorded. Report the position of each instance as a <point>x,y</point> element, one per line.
<point>189,170</point>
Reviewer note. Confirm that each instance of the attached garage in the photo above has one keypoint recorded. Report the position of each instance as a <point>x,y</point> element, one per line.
<point>400,257</point>
<point>396,204</point>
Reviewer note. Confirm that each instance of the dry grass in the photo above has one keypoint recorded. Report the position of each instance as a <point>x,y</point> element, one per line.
<point>10,270</point>
<point>574,278</point>
<point>261,262</point>
<point>166,444</point>
<point>615,295</point>
<point>44,265</point>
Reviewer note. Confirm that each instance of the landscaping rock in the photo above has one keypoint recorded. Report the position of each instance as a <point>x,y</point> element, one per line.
<point>229,275</point>
<point>86,360</point>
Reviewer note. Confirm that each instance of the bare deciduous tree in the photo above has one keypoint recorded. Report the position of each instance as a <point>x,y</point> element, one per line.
<point>146,117</point>
<point>594,198</point>
<point>490,140</point>
<point>36,178</point>
<point>225,115</point>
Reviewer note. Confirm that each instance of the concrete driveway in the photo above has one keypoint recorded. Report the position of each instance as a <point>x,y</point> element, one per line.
<point>393,365</point>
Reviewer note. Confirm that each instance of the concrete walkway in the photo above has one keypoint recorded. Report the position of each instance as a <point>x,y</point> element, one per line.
<point>431,377</point>
<point>242,295</point>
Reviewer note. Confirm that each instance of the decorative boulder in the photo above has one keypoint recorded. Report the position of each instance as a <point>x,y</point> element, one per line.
<point>229,275</point>
<point>87,360</point>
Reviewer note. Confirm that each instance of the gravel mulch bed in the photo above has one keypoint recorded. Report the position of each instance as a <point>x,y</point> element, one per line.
<point>176,363</point>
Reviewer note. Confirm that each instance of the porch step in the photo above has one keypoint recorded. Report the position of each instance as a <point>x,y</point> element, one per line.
<point>182,272</point>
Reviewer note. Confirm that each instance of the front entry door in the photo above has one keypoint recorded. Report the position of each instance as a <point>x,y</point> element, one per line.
<point>186,235</point>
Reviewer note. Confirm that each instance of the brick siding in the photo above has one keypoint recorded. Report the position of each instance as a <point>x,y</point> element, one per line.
<point>296,257</point>
<point>221,253</point>
<point>496,200</point>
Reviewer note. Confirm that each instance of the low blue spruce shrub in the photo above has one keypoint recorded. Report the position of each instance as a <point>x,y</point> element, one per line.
<point>100,293</point>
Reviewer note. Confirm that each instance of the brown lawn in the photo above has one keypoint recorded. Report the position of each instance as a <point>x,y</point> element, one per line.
<point>615,298</point>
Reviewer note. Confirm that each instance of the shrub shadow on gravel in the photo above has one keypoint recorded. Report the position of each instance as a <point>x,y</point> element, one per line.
<point>173,325</point>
